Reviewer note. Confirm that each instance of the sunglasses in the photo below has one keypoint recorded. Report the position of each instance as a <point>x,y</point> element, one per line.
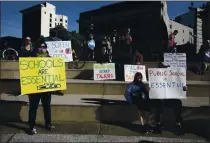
<point>42,47</point>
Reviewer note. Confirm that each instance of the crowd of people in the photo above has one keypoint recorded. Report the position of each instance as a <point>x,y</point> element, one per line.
<point>136,93</point>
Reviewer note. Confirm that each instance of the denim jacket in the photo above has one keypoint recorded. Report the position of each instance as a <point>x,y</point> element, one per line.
<point>134,88</point>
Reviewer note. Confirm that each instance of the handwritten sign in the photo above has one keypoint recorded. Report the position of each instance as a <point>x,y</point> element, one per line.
<point>104,71</point>
<point>42,75</point>
<point>60,49</point>
<point>167,83</point>
<point>175,60</point>
<point>131,70</point>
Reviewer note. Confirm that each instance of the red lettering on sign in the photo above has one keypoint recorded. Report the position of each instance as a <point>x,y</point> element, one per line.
<point>176,73</point>
<point>104,76</point>
<point>157,73</point>
<point>139,68</point>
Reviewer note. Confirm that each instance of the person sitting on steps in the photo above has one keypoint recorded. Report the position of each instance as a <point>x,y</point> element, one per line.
<point>137,94</point>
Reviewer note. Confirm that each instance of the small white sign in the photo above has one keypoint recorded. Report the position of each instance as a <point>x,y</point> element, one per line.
<point>167,83</point>
<point>61,49</point>
<point>177,60</point>
<point>131,70</point>
<point>104,71</point>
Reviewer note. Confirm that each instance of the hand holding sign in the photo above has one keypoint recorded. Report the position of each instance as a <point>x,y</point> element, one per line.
<point>42,75</point>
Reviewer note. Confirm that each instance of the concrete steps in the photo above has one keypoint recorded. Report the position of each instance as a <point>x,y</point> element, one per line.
<point>14,65</point>
<point>195,88</point>
<point>87,74</point>
<point>10,70</point>
<point>89,108</point>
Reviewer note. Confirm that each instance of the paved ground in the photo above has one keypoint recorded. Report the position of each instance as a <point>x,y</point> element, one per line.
<point>88,138</point>
<point>17,132</point>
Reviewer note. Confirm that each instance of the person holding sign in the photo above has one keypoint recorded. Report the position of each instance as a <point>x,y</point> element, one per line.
<point>45,98</point>
<point>176,104</point>
<point>137,94</point>
<point>171,42</point>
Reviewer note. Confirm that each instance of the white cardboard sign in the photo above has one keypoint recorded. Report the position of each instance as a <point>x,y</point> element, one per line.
<point>175,60</point>
<point>61,49</point>
<point>131,70</point>
<point>167,83</point>
<point>104,71</point>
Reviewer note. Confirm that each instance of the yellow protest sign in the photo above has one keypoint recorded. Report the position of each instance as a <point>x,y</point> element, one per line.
<point>42,74</point>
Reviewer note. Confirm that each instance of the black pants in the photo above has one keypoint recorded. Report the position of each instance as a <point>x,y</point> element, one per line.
<point>34,100</point>
<point>159,104</point>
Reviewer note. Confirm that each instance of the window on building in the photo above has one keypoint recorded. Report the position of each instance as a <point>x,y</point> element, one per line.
<point>50,14</point>
<point>44,12</point>
<point>50,25</point>
<point>61,20</point>
<point>66,21</point>
<point>55,19</point>
<point>183,40</point>
<point>183,31</point>
<point>50,20</point>
<point>190,33</point>
<point>171,26</point>
<point>55,24</point>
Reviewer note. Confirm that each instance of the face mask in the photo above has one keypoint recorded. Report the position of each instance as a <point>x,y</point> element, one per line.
<point>44,50</point>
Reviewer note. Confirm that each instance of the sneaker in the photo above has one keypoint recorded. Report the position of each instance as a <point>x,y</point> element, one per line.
<point>49,127</point>
<point>179,129</point>
<point>158,128</point>
<point>147,129</point>
<point>32,130</point>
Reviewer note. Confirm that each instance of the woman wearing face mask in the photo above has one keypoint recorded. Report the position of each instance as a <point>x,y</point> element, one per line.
<point>45,98</point>
<point>42,51</point>
<point>27,49</point>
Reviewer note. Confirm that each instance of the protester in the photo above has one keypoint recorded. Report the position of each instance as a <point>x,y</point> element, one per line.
<point>137,94</point>
<point>128,41</point>
<point>176,104</point>
<point>138,58</point>
<point>45,98</point>
<point>204,57</point>
<point>27,49</point>
<point>171,42</point>
<point>114,42</point>
<point>91,47</point>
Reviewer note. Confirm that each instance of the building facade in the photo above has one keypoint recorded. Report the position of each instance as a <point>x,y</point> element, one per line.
<point>205,14</point>
<point>185,34</point>
<point>194,21</point>
<point>144,18</point>
<point>39,19</point>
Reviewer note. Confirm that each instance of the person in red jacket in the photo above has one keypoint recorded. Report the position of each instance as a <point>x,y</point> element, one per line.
<point>138,58</point>
<point>171,41</point>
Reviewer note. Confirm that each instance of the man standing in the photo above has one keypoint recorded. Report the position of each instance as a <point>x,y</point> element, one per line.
<point>171,42</point>
<point>204,56</point>
<point>176,104</point>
